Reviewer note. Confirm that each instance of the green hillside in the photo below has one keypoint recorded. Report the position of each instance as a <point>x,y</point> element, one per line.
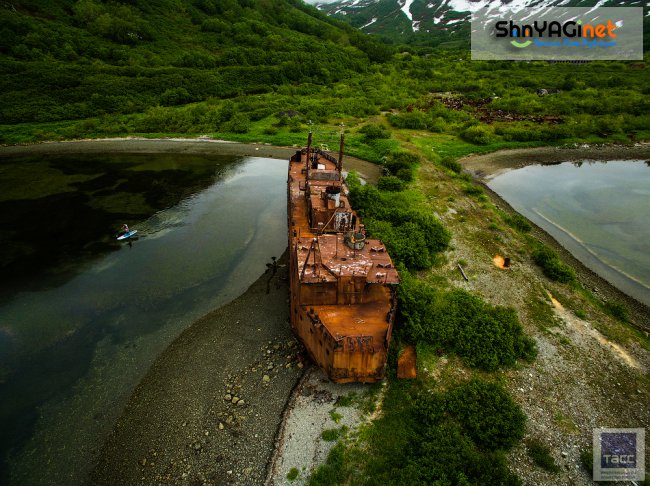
<point>65,60</point>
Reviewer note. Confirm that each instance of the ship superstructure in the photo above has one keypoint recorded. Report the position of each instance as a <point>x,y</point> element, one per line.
<point>343,285</point>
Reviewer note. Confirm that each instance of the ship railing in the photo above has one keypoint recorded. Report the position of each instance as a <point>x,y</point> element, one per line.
<point>327,156</point>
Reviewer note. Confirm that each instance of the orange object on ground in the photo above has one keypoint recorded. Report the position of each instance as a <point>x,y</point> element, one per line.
<point>407,363</point>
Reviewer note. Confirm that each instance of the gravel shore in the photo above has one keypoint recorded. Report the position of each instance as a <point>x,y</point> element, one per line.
<point>209,409</point>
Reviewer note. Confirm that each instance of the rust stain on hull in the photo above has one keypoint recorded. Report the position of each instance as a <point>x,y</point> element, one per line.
<point>343,285</point>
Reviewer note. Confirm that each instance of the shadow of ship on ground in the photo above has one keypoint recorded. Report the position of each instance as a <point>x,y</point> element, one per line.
<point>343,286</point>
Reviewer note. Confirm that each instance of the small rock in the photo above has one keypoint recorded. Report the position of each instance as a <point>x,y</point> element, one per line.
<point>228,472</point>
<point>240,402</point>
<point>207,433</point>
<point>235,399</point>
<point>143,462</point>
<point>228,397</point>
<point>266,378</point>
<point>269,367</point>
<point>221,426</point>
<point>565,454</point>
<point>300,365</point>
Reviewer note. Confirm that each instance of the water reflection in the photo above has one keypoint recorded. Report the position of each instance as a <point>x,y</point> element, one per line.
<point>599,213</point>
<point>72,349</point>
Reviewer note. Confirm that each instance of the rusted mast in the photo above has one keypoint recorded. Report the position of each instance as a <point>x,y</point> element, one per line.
<point>308,151</point>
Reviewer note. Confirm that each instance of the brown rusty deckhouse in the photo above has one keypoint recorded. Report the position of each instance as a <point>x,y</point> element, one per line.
<point>342,285</point>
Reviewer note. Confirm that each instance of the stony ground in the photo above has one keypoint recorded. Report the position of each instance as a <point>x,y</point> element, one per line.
<point>313,409</point>
<point>210,407</point>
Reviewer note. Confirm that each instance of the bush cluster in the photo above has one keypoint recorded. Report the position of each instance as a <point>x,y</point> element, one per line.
<point>486,336</point>
<point>451,164</point>
<point>411,233</point>
<point>402,164</point>
<point>518,222</point>
<point>374,132</point>
<point>551,265</point>
<point>479,135</point>
<point>456,437</point>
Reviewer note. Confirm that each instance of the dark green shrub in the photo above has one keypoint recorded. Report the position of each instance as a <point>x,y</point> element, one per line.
<point>405,174</point>
<point>374,132</point>
<point>551,265</point>
<point>239,123</point>
<point>330,435</point>
<point>472,189</point>
<point>541,456</point>
<point>449,163</point>
<point>479,135</point>
<point>518,222</point>
<point>486,336</point>
<point>390,183</point>
<point>292,474</point>
<point>412,235</point>
<point>487,412</point>
<point>617,310</point>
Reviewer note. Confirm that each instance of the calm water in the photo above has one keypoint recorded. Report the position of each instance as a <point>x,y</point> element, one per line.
<point>599,211</point>
<point>83,317</point>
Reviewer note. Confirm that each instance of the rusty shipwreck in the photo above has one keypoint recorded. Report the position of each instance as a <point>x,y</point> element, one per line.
<point>343,286</point>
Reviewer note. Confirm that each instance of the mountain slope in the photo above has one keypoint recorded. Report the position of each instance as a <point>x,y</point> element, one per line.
<point>68,59</point>
<point>433,22</point>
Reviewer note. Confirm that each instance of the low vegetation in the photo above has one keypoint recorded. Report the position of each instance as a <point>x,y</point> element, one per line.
<point>486,336</point>
<point>400,219</point>
<point>551,265</point>
<point>541,456</point>
<point>457,436</point>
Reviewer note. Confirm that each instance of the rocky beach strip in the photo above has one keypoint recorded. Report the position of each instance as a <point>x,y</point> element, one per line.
<point>210,406</point>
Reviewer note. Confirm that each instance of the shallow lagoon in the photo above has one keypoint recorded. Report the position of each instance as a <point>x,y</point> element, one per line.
<point>599,211</point>
<point>81,316</point>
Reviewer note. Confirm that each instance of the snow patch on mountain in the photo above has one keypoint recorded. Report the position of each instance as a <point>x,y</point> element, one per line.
<point>406,8</point>
<point>369,23</point>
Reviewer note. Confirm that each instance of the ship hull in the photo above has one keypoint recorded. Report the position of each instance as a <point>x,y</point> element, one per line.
<point>343,291</point>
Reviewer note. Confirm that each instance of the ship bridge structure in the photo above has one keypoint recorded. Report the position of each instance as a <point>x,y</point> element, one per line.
<point>343,285</point>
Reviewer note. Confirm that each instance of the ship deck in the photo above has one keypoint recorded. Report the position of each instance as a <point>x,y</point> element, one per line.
<point>355,320</point>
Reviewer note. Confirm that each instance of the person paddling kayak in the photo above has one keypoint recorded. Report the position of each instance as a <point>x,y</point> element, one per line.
<point>125,232</point>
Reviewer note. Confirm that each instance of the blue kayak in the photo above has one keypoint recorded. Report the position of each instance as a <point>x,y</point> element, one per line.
<point>127,235</point>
